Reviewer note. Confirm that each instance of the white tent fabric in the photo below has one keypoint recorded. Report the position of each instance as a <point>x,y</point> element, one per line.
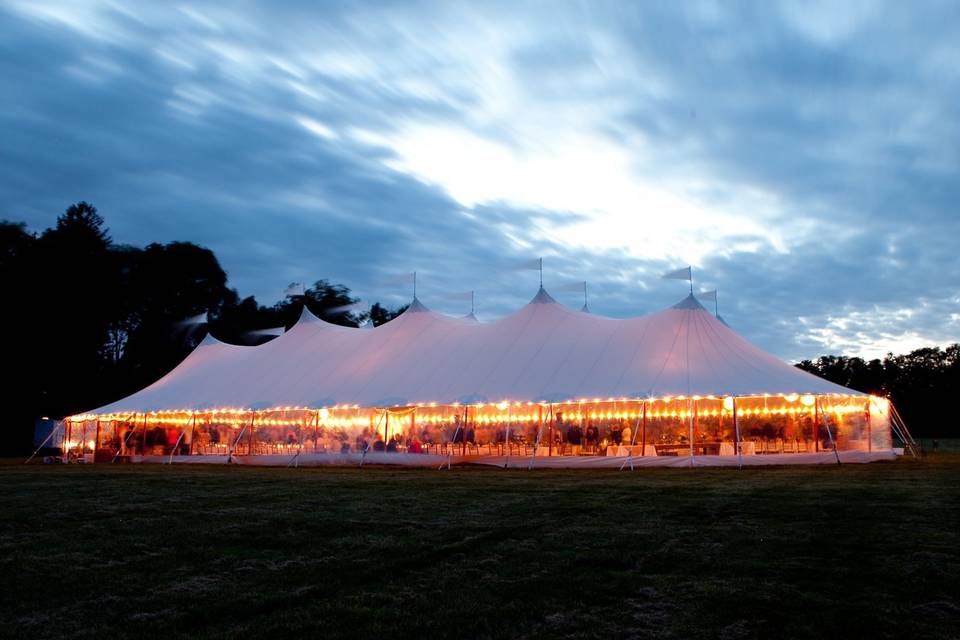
<point>545,352</point>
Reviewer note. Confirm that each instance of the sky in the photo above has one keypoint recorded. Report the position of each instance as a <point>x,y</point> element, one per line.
<point>802,156</point>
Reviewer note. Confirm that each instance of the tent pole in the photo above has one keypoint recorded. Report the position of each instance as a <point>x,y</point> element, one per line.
<point>126,441</point>
<point>816,427</point>
<point>536,443</point>
<point>96,441</point>
<point>690,406</point>
<point>453,444</point>
<point>69,430</point>
<point>736,434</point>
<point>193,433</point>
<point>869,430</point>
<point>366,445</point>
<point>826,424</point>
<point>643,440</point>
<point>234,444</point>
<point>549,444</point>
<point>251,435</point>
<point>506,462</point>
<point>176,446</point>
<point>316,431</point>
<point>633,441</point>
<point>143,436</point>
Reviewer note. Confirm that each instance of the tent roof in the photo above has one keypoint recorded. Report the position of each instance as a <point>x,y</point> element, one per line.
<point>545,352</point>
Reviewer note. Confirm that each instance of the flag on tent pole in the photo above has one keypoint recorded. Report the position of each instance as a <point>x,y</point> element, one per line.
<point>403,278</point>
<point>570,286</point>
<point>294,289</point>
<point>273,331</point>
<point>353,306</point>
<point>530,265</point>
<point>458,295</point>
<point>200,318</point>
<point>711,296</point>
<point>579,287</point>
<point>680,274</point>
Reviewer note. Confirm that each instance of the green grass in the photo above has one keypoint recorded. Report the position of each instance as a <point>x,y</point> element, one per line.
<point>806,552</point>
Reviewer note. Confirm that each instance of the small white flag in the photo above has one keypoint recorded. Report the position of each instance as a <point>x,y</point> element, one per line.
<point>405,278</point>
<point>274,331</point>
<point>679,274</point>
<point>197,319</point>
<point>353,306</point>
<point>458,295</point>
<point>571,286</point>
<point>293,289</point>
<point>528,265</point>
<point>708,296</point>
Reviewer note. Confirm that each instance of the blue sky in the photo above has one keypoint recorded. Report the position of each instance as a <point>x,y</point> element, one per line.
<point>803,157</point>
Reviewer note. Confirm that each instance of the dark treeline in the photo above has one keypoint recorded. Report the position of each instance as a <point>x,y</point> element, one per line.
<point>921,384</point>
<point>87,321</point>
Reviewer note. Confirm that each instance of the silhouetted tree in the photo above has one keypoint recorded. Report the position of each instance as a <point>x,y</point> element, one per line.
<point>379,314</point>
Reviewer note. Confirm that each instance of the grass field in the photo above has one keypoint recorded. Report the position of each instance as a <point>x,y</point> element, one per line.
<point>145,551</point>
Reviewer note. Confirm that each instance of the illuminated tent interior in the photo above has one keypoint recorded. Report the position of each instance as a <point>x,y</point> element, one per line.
<point>545,386</point>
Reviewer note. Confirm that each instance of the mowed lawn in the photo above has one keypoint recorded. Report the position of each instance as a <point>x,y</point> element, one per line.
<point>132,551</point>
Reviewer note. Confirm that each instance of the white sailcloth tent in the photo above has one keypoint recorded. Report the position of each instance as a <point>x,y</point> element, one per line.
<point>537,364</point>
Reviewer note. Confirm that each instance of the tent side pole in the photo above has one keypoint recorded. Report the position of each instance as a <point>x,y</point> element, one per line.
<point>96,441</point>
<point>633,441</point>
<point>643,439</point>
<point>193,433</point>
<point>506,462</point>
<point>143,436</point>
<point>869,430</point>
<point>736,434</point>
<point>690,410</point>
<point>126,441</point>
<point>536,443</point>
<point>826,425</point>
<point>816,427</point>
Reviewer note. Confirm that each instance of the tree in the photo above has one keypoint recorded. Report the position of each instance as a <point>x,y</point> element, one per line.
<point>379,314</point>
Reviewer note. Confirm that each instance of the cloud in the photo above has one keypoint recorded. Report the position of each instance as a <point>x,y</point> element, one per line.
<point>802,157</point>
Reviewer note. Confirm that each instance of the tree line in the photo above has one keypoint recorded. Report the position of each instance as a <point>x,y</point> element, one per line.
<point>920,384</point>
<point>88,321</point>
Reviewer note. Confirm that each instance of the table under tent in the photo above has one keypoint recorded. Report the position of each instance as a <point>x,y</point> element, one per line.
<point>547,386</point>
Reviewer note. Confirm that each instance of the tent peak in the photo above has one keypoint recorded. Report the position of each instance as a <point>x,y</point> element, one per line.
<point>307,316</point>
<point>209,339</point>
<point>543,297</point>
<point>689,302</point>
<point>416,306</point>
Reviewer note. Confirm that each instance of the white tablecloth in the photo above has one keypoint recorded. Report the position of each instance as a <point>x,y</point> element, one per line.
<point>746,448</point>
<point>630,450</point>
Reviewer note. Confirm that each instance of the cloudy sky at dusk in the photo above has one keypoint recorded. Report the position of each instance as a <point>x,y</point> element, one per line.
<point>803,158</point>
